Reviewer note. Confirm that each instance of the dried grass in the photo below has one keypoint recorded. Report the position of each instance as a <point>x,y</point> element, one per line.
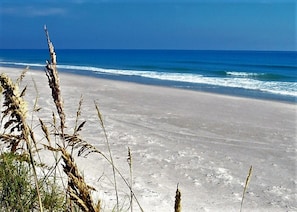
<point>109,151</point>
<point>78,190</point>
<point>177,205</point>
<point>248,178</point>
<point>129,160</point>
<point>54,82</point>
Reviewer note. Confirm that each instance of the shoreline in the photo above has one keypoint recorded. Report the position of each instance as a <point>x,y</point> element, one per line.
<point>205,142</point>
<point>216,90</point>
<point>211,91</point>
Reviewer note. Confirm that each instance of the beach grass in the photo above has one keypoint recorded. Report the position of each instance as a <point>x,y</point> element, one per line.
<point>177,204</point>
<point>248,178</point>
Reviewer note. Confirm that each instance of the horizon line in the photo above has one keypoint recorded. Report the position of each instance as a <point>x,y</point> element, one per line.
<point>151,49</point>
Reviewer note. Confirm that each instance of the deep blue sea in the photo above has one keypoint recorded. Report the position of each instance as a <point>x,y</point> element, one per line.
<point>255,74</point>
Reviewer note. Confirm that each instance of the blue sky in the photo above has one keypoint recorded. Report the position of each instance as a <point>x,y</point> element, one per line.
<point>142,24</point>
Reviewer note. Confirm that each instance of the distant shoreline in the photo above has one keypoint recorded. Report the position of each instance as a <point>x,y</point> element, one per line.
<point>202,50</point>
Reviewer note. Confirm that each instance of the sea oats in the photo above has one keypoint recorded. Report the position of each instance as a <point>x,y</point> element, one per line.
<point>248,178</point>
<point>45,131</point>
<point>78,190</point>
<point>129,160</point>
<point>22,76</point>
<point>15,109</point>
<point>54,82</point>
<point>177,205</point>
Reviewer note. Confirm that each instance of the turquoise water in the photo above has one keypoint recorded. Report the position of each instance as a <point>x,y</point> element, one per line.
<point>256,74</point>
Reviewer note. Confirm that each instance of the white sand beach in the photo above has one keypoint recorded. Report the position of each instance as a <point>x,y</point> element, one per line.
<point>204,142</point>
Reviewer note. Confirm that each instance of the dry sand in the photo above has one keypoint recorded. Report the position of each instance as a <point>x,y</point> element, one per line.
<point>205,142</point>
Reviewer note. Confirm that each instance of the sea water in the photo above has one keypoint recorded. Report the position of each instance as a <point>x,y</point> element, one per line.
<point>255,74</point>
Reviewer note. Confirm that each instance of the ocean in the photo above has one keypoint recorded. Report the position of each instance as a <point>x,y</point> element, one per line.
<point>254,74</point>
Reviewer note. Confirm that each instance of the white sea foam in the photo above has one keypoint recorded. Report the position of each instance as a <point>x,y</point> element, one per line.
<point>243,74</point>
<point>22,64</point>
